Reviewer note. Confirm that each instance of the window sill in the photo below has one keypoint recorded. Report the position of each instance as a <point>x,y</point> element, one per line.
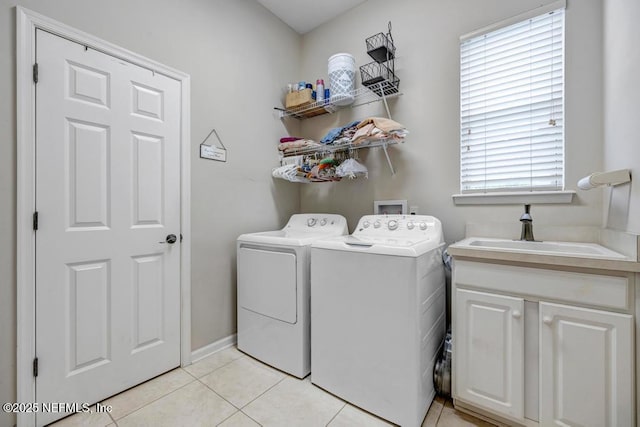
<point>514,198</point>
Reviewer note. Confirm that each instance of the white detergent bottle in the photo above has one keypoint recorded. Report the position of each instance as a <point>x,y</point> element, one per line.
<point>319,90</point>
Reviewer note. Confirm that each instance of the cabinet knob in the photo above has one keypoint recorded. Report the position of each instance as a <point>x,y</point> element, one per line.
<point>516,314</point>
<point>547,320</point>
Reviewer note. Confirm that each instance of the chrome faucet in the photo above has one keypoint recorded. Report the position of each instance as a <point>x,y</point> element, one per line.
<point>527,225</point>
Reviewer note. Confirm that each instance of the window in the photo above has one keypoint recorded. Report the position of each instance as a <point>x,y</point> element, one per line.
<point>512,107</point>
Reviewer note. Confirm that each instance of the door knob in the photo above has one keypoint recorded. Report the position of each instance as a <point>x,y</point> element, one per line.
<point>547,320</point>
<point>516,314</point>
<point>171,239</point>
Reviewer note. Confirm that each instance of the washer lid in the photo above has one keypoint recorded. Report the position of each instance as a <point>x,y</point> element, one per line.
<point>378,245</point>
<point>401,235</point>
<point>285,237</point>
<point>301,230</point>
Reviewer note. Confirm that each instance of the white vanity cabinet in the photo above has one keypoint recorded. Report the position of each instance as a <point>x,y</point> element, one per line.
<point>586,367</point>
<point>490,341</point>
<point>543,346</point>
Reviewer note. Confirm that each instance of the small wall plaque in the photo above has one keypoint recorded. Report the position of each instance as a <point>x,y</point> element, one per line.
<point>212,152</point>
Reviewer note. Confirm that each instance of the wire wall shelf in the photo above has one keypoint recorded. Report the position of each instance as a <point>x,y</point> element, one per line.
<point>380,91</point>
<point>330,149</point>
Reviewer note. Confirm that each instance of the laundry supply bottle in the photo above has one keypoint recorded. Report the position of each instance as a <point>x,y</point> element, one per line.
<point>320,90</point>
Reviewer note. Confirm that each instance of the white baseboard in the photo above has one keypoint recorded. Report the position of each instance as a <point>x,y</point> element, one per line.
<point>214,347</point>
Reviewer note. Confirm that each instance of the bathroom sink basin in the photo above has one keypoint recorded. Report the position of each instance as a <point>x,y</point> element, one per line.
<point>575,249</point>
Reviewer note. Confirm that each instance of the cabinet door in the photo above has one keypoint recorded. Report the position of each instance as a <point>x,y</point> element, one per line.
<point>489,351</point>
<point>586,367</point>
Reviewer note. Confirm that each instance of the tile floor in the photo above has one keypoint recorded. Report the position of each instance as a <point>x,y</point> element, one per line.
<point>231,389</point>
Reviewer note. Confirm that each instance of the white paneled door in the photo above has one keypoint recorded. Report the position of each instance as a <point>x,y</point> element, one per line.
<point>108,201</point>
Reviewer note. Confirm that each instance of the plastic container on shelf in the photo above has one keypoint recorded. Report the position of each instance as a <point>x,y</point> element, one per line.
<point>342,74</point>
<point>320,89</point>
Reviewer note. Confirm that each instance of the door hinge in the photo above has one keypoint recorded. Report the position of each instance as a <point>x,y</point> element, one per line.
<point>35,72</point>
<point>35,220</point>
<point>35,367</point>
<point>180,237</point>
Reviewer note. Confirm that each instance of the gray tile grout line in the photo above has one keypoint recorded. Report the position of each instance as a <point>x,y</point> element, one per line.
<point>440,413</point>
<point>217,394</point>
<point>286,375</point>
<point>229,402</point>
<point>211,372</point>
<point>222,397</point>
<point>249,416</point>
<point>112,419</point>
<point>153,401</point>
<point>238,409</point>
<point>115,422</point>
<point>236,412</point>
<point>264,392</point>
<point>336,414</point>
<point>267,390</point>
<point>134,387</point>
<point>247,404</point>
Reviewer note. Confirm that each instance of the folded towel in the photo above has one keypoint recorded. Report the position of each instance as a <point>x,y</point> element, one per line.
<point>382,123</point>
<point>331,135</point>
<point>297,144</point>
<point>335,132</point>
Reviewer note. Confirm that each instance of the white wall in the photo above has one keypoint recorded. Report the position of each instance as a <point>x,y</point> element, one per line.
<point>426,33</point>
<point>236,53</point>
<point>622,108</point>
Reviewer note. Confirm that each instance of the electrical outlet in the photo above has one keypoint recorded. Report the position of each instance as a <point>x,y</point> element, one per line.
<point>413,210</point>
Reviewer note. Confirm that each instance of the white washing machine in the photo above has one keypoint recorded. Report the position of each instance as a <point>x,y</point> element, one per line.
<point>378,315</point>
<point>273,290</point>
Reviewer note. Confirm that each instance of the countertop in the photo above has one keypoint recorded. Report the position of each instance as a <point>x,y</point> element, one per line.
<point>464,250</point>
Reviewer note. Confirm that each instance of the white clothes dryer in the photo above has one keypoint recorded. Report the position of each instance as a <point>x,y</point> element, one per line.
<point>273,290</point>
<point>378,315</point>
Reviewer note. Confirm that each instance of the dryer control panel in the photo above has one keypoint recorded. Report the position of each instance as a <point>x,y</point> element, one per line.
<point>399,226</point>
<point>329,223</point>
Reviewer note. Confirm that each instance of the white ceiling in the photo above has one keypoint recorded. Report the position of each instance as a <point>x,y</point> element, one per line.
<point>304,15</point>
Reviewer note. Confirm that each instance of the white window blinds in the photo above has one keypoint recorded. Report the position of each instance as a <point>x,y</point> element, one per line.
<point>511,105</point>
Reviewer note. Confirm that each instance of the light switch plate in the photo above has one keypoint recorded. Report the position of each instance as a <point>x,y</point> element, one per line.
<point>213,153</point>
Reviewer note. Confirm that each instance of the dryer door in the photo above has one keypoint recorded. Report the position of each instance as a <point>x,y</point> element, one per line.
<point>267,283</point>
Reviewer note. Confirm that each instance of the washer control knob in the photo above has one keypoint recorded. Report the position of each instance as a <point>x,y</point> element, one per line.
<point>410,225</point>
<point>311,222</point>
<point>423,226</point>
<point>366,224</point>
<point>377,224</point>
<point>323,222</point>
<point>393,224</point>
